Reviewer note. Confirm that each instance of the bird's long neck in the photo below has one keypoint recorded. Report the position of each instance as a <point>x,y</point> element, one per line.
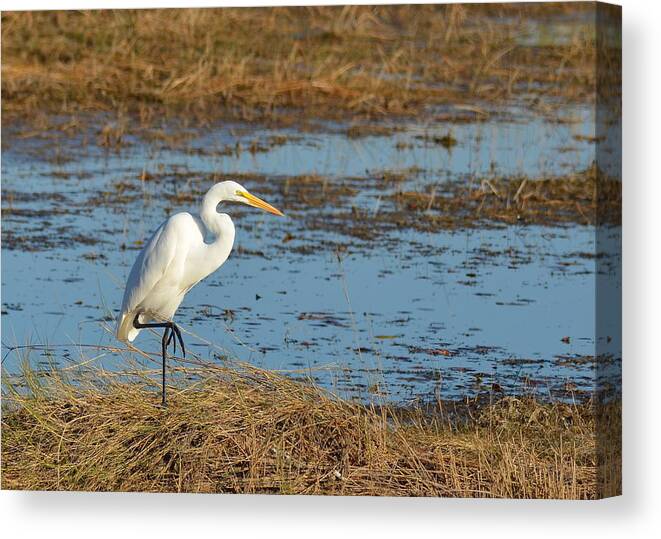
<point>209,214</point>
<point>219,225</point>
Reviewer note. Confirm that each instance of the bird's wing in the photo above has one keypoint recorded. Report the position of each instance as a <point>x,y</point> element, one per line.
<point>149,268</point>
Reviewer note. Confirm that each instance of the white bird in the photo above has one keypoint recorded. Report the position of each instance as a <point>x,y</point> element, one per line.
<point>174,260</point>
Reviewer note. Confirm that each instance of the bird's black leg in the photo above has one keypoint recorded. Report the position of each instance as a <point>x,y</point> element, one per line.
<point>171,334</point>
<point>164,347</point>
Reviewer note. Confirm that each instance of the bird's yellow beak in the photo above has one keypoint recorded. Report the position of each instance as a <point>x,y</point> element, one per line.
<point>252,200</point>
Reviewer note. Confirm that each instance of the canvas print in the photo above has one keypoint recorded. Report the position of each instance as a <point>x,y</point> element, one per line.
<point>345,250</point>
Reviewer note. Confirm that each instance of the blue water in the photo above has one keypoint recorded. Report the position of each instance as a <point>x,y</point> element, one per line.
<point>409,315</point>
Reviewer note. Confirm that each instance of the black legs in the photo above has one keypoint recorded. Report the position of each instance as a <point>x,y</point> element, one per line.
<point>170,335</point>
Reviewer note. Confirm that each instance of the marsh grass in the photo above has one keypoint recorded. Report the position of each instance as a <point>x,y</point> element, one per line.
<point>260,63</point>
<point>239,429</point>
<point>586,197</point>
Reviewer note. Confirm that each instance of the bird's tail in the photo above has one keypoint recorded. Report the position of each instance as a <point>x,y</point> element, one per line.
<point>126,332</point>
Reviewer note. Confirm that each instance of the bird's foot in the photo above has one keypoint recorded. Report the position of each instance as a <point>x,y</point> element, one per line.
<point>172,335</point>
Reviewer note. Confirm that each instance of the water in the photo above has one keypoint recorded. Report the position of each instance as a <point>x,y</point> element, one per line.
<point>397,314</point>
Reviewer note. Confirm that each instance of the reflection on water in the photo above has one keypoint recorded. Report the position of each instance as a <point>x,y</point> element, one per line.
<point>408,315</point>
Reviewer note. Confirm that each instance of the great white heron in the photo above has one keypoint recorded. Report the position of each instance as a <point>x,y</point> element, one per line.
<point>175,259</point>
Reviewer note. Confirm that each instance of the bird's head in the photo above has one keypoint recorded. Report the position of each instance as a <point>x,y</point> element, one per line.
<point>231,191</point>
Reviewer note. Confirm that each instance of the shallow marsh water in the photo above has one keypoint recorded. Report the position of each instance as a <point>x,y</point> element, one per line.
<point>397,313</point>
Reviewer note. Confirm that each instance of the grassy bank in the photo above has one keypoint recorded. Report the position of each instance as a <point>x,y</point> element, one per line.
<point>244,430</point>
<point>324,61</point>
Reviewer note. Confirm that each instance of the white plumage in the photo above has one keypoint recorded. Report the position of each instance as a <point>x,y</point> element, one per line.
<point>174,259</point>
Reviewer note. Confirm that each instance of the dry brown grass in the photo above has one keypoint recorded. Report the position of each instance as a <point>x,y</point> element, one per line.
<point>324,61</point>
<point>245,430</point>
<point>587,197</point>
